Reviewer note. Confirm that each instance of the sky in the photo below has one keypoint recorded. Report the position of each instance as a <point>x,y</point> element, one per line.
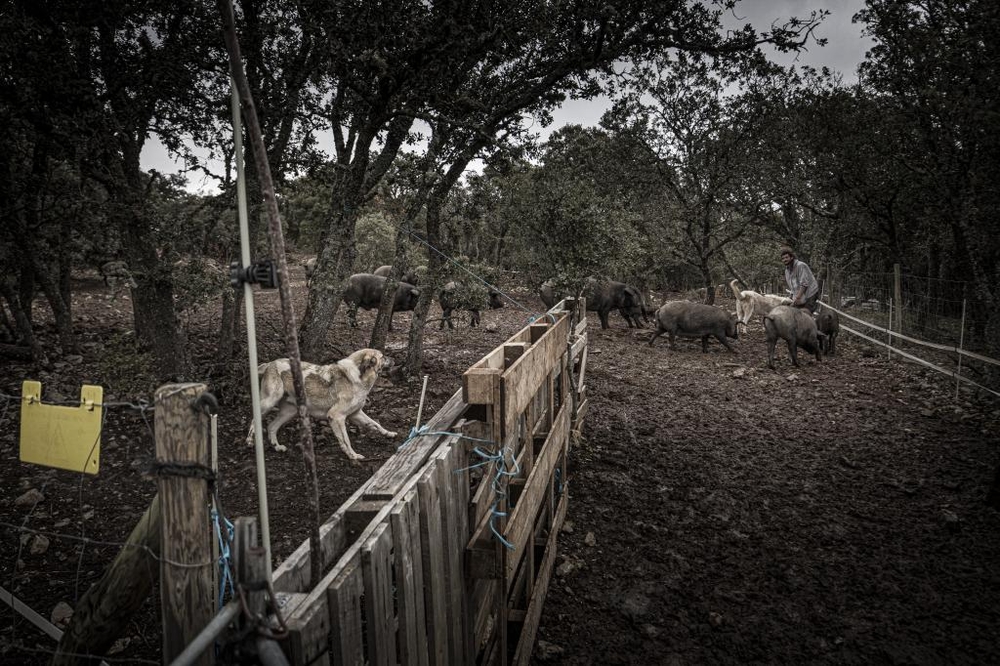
<point>844,51</point>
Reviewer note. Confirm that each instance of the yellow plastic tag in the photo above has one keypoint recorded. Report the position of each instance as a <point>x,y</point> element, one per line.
<point>58,436</point>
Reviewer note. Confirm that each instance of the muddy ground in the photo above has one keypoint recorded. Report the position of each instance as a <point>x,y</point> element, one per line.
<point>720,512</point>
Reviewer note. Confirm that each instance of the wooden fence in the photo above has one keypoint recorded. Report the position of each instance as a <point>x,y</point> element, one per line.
<point>444,556</point>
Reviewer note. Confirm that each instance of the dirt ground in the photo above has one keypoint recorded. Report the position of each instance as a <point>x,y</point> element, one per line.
<point>720,512</point>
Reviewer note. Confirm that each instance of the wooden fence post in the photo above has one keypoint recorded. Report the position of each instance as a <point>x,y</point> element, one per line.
<point>101,615</point>
<point>186,598</point>
<point>897,295</point>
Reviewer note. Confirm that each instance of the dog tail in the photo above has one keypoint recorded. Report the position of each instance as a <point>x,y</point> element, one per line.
<point>736,290</point>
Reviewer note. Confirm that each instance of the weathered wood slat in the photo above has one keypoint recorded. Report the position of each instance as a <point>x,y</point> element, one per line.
<point>405,522</point>
<point>293,574</point>
<point>376,564</point>
<point>482,597</point>
<point>477,385</point>
<point>460,477</point>
<point>523,379</point>
<point>432,551</point>
<point>522,654</point>
<point>398,469</point>
<point>351,558</point>
<point>344,598</point>
<point>454,541</point>
<point>309,632</point>
<point>519,528</point>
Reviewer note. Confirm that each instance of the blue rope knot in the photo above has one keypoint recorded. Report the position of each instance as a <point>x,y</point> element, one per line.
<point>499,460</point>
<point>225,558</point>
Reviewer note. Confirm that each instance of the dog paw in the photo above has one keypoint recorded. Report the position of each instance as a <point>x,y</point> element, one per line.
<point>390,434</point>
<point>280,448</point>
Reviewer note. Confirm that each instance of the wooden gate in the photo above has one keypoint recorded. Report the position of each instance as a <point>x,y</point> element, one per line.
<point>444,555</point>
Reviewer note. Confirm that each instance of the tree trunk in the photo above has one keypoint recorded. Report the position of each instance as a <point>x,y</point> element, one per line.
<point>706,275</point>
<point>380,331</point>
<point>229,327</point>
<point>26,289</point>
<point>156,325</point>
<point>333,265</point>
<point>60,308</point>
<point>101,615</point>
<point>23,324</point>
<point>415,347</point>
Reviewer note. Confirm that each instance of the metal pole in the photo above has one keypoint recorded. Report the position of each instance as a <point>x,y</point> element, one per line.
<point>203,641</point>
<point>241,201</point>
<point>961,343</point>
<point>214,447</point>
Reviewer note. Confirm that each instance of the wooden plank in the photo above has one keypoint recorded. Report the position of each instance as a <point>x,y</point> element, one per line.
<point>482,556</point>
<point>523,516</point>
<point>581,412</point>
<point>578,347</point>
<point>460,477</point>
<point>350,559</point>
<point>405,522</point>
<point>294,572</point>
<point>482,597</point>
<point>376,565</point>
<point>522,655</point>
<point>344,598</point>
<point>432,552</point>
<point>309,633</point>
<point>523,379</point>
<point>395,472</point>
<point>492,359</point>
<point>513,351</point>
<point>360,514</point>
<point>581,373</point>
<point>453,542</point>
<point>477,385</point>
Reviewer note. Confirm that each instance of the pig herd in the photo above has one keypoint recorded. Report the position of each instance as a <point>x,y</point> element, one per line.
<point>816,335</point>
<point>364,290</point>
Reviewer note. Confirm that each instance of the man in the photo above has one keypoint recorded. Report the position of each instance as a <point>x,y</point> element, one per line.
<point>801,282</point>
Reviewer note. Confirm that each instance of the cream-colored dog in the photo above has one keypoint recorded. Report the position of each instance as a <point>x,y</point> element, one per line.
<point>336,392</point>
<point>750,303</point>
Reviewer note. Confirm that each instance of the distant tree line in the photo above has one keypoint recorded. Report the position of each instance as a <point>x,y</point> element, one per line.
<point>709,158</point>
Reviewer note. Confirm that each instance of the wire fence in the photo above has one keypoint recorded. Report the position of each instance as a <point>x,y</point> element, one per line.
<point>55,539</point>
<point>929,317</point>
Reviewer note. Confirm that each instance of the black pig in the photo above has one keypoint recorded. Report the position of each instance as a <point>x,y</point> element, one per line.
<point>364,290</point>
<point>695,320</point>
<point>797,328</point>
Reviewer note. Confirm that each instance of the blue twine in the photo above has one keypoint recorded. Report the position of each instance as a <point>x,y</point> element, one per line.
<point>499,459</point>
<point>422,430</point>
<point>225,559</point>
<point>533,318</point>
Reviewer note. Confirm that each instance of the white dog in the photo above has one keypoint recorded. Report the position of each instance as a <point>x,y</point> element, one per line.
<point>749,303</point>
<point>336,392</point>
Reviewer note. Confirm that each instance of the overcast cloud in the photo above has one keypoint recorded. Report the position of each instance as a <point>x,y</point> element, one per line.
<point>843,53</point>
